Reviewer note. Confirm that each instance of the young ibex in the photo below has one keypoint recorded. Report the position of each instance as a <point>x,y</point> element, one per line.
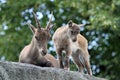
<point>36,52</point>
<point>68,39</point>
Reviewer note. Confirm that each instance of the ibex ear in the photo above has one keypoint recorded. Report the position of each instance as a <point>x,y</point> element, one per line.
<point>70,23</point>
<point>81,25</point>
<point>32,28</point>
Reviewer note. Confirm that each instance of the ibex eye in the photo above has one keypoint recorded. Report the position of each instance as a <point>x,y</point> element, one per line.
<point>36,38</point>
<point>72,32</point>
<point>76,32</point>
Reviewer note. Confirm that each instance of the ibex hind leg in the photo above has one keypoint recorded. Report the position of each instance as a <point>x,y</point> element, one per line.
<point>78,63</point>
<point>86,62</point>
<point>88,67</point>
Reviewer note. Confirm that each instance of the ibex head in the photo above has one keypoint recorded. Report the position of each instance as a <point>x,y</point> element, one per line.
<point>41,35</point>
<point>74,30</point>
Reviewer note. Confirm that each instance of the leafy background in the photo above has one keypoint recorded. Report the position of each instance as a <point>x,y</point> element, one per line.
<point>102,19</point>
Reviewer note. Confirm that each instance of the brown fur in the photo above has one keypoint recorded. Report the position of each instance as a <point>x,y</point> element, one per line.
<point>53,60</point>
<point>68,39</point>
<point>36,52</point>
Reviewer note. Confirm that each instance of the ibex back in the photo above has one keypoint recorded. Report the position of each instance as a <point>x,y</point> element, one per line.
<point>69,39</point>
<point>36,52</point>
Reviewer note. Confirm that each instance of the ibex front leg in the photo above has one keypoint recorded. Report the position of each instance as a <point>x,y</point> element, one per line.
<point>68,52</point>
<point>59,52</point>
<point>43,62</point>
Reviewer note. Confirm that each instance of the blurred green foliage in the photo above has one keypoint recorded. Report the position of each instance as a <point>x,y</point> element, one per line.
<point>102,19</point>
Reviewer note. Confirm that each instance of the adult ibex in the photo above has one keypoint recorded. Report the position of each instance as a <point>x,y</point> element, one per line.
<point>36,52</point>
<point>69,39</point>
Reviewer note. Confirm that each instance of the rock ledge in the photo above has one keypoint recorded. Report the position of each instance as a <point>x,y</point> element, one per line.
<point>21,71</point>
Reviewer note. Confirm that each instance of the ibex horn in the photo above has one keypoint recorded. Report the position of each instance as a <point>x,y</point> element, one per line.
<point>50,19</point>
<point>36,20</point>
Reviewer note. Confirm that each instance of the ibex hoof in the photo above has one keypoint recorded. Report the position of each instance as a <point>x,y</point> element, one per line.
<point>49,64</point>
<point>68,69</point>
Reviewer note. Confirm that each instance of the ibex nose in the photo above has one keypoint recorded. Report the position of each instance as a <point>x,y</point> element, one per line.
<point>74,40</point>
<point>43,52</point>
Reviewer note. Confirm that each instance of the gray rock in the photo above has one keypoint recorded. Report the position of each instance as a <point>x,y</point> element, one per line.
<point>22,71</point>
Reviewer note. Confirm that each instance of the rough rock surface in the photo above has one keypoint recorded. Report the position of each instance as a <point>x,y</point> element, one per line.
<point>22,71</point>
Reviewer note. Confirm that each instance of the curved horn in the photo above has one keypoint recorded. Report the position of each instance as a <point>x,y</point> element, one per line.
<point>36,20</point>
<point>50,19</point>
<point>32,28</point>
